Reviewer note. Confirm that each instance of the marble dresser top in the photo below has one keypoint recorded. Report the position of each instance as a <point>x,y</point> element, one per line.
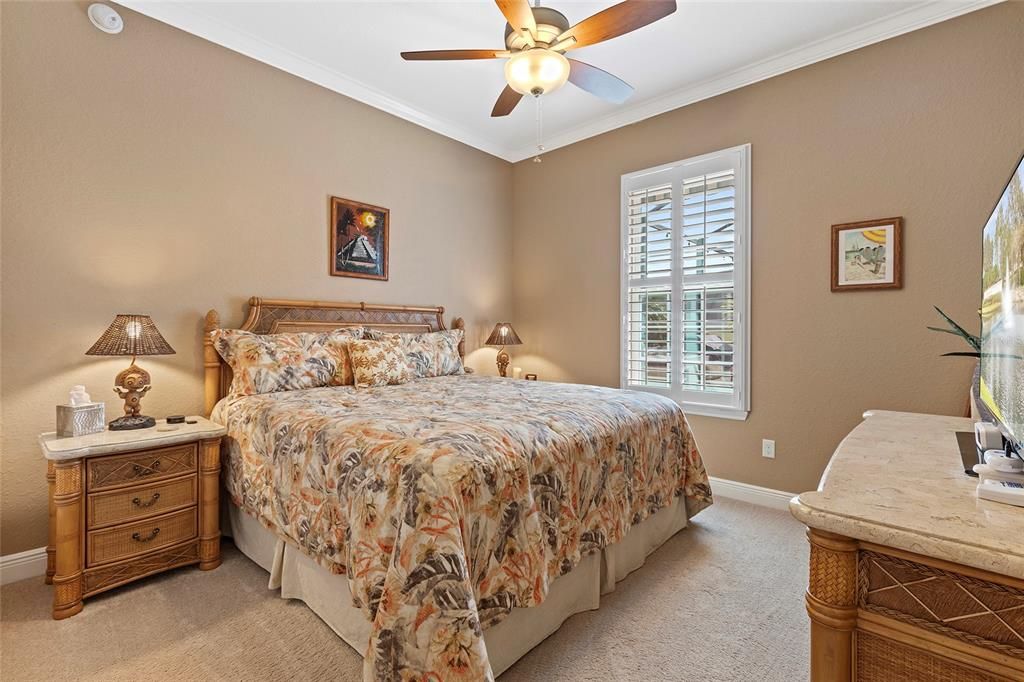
<point>897,480</point>
<point>111,442</point>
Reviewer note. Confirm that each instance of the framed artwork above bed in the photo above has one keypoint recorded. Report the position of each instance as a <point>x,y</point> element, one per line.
<point>359,240</point>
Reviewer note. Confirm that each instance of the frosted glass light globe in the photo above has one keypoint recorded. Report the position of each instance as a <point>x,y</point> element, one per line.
<point>537,71</point>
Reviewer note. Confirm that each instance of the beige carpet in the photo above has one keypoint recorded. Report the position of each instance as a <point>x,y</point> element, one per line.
<point>722,600</point>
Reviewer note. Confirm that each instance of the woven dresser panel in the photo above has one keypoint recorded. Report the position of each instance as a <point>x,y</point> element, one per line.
<point>971,610</point>
<point>122,542</point>
<point>883,660</point>
<point>106,577</point>
<point>141,501</point>
<point>140,467</point>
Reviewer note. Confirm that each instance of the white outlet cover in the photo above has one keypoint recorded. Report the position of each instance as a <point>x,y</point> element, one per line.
<point>768,448</point>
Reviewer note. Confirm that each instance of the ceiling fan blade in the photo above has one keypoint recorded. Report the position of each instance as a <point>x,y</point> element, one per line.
<point>599,82</point>
<point>519,15</point>
<point>434,55</point>
<point>507,101</point>
<point>617,20</point>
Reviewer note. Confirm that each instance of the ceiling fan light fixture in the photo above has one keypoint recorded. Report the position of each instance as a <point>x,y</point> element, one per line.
<point>536,37</point>
<point>536,71</point>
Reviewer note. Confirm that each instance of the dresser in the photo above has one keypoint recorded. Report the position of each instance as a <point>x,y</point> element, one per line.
<point>912,578</point>
<point>127,504</point>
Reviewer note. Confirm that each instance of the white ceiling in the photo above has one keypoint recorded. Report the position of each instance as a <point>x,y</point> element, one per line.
<point>703,49</point>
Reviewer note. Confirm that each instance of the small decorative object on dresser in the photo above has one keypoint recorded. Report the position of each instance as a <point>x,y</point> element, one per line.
<point>127,504</point>
<point>131,335</point>
<point>867,255</point>
<point>359,240</point>
<point>503,335</point>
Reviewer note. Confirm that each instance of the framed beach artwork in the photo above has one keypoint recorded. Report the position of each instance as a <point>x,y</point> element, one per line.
<point>359,240</point>
<point>867,255</point>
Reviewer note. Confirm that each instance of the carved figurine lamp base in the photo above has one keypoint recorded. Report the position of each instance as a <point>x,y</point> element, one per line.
<point>131,335</point>
<point>503,335</point>
<point>131,384</point>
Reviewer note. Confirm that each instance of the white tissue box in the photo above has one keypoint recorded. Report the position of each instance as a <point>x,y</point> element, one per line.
<point>80,420</point>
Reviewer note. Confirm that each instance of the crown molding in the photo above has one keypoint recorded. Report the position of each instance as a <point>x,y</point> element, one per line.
<point>190,20</point>
<point>909,20</point>
<point>187,19</point>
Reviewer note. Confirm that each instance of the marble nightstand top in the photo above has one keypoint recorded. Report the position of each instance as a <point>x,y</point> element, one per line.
<point>112,442</point>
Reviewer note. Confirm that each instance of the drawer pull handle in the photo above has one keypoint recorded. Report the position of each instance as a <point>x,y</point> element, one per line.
<point>139,503</point>
<point>141,470</point>
<point>138,536</point>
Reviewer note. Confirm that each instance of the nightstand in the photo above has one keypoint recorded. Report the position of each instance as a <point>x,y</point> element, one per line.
<point>127,504</point>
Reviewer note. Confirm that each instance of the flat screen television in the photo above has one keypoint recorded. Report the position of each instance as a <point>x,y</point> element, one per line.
<point>1001,384</point>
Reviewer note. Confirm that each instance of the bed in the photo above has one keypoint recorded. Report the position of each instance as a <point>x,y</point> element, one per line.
<point>445,526</point>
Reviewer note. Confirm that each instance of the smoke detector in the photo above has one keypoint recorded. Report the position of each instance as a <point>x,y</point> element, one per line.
<point>105,18</point>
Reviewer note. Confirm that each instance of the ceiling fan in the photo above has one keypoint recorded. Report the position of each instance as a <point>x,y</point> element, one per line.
<point>536,39</point>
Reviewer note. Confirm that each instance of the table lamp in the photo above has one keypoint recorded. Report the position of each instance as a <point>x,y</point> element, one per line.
<point>131,335</point>
<point>503,335</point>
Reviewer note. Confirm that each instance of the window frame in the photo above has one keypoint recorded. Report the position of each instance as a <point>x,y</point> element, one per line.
<point>735,405</point>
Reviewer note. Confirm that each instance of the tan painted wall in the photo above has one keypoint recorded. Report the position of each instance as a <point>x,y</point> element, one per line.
<point>154,172</point>
<point>927,126</point>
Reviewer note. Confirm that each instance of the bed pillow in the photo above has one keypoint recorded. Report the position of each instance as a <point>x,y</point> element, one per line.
<point>379,362</point>
<point>268,363</point>
<point>337,344</point>
<point>431,354</point>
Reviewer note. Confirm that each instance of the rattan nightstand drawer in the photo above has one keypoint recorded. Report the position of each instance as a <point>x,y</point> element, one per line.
<point>133,539</point>
<point>141,501</point>
<point>140,467</point>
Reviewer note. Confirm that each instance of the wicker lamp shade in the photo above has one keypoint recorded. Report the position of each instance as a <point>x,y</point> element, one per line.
<point>503,335</point>
<point>131,335</point>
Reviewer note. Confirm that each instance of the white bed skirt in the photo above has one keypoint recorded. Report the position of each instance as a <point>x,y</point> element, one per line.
<point>328,595</point>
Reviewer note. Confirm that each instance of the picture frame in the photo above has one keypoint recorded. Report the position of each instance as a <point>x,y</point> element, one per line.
<point>867,255</point>
<point>358,239</point>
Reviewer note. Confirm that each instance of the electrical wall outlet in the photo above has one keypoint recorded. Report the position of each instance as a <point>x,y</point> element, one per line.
<point>768,448</point>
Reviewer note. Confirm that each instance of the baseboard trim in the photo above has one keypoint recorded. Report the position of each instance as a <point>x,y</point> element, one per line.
<point>23,565</point>
<point>754,494</point>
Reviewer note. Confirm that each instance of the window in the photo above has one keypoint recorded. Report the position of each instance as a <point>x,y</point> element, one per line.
<point>685,282</point>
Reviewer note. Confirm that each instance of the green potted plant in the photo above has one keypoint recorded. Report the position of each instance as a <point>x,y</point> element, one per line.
<point>973,341</point>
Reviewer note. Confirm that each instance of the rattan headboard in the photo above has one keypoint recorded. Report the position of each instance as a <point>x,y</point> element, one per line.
<point>270,316</point>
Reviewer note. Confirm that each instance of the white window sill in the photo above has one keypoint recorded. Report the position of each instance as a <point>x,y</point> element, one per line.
<point>719,411</point>
<point>699,409</point>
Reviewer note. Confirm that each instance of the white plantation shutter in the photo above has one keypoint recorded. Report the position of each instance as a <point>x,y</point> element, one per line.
<point>708,263</point>
<point>649,270</point>
<point>685,270</point>
<point>649,336</point>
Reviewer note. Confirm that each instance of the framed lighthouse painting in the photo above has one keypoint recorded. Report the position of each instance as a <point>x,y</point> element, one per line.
<point>359,240</point>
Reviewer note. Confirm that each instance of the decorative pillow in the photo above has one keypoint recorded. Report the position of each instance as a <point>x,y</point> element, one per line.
<point>267,363</point>
<point>336,343</point>
<point>379,362</point>
<point>431,354</point>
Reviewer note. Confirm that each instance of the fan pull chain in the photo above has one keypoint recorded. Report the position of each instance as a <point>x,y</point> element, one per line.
<point>540,130</point>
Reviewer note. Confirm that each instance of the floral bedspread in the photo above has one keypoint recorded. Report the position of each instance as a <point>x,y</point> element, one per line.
<point>448,501</point>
